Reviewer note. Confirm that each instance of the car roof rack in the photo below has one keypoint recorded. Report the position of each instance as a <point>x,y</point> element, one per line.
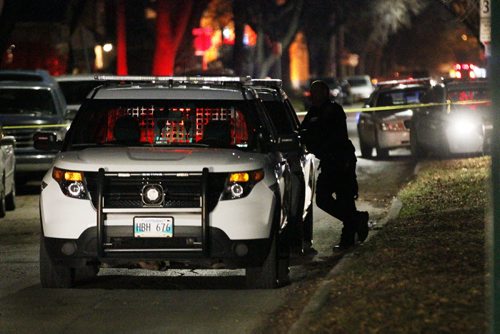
<point>174,80</point>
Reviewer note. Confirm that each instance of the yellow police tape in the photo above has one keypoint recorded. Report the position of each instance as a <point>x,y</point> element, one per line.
<point>300,113</point>
<point>407,106</point>
<point>40,126</point>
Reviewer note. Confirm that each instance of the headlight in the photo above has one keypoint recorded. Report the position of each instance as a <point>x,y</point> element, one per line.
<point>239,185</point>
<point>463,126</point>
<point>71,183</point>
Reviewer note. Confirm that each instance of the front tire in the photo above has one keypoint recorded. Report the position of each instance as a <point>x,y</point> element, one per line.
<point>273,272</point>
<point>3,203</point>
<point>54,275</point>
<point>10,200</point>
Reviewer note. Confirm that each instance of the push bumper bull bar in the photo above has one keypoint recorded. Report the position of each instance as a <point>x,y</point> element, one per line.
<point>103,247</point>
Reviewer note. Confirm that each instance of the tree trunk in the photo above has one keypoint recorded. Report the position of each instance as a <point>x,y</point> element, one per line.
<point>121,39</point>
<point>171,22</point>
<point>293,27</point>
<point>239,31</point>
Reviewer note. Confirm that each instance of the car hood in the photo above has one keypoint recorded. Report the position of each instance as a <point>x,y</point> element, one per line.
<point>160,159</point>
<point>29,119</point>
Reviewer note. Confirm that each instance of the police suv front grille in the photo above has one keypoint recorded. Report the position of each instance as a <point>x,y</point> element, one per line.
<point>24,137</point>
<point>121,192</point>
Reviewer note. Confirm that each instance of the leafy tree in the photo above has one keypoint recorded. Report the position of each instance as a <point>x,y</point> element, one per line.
<point>466,11</point>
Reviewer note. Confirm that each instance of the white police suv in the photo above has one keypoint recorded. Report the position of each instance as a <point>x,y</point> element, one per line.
<point>167,168</point>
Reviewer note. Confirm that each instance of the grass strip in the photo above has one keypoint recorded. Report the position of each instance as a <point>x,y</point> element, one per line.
<point>425,271</point>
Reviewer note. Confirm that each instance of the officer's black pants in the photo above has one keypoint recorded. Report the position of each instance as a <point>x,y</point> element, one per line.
<point>336,190</point>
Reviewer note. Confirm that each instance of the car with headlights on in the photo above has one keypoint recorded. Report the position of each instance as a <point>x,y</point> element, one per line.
<point>384,124</point>
<point>172,169</point>
<point>457,119</point>
<point>31,101</point>
<point>300,160</point>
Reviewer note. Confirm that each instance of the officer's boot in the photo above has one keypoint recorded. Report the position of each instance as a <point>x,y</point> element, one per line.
<point>347,237</point>
<point>362,227</point>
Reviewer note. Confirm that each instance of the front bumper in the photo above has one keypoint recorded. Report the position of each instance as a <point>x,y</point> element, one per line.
<point>237,231</point>
<point>234,253</point>
<point>34,162</point>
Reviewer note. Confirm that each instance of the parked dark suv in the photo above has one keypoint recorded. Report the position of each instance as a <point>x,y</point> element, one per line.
<point>286,122</point>
<point>31,101</point>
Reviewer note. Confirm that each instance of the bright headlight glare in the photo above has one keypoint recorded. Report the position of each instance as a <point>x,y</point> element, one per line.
<point>462,126</point>
<point>236,190</point>
<point>70,182</point>
<point>240,184</point>
<point>75,189</point>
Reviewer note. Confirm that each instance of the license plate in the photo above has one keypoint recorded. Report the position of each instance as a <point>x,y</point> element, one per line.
<point>153,227</point>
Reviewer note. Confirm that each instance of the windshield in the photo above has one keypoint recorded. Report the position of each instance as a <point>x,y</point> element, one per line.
<point>220,124</point>
<point>278,115</point>
<point>26,101</point>
<point>469,94</point>
<point>400,97</point>
<point>76,91</point>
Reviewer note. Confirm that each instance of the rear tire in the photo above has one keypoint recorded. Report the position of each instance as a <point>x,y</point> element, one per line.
<point>416,149</point>
<point>53,275</point>
<point>307,240</point>
<point>382,153</point>
<point>366,150</point>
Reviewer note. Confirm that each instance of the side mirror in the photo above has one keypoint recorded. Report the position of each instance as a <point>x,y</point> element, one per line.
<point>70,114</point>
<point>46,141</point>
<point>8,141</point>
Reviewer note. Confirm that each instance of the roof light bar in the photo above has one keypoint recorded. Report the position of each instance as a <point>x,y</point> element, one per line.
<point>268,82</point>
<point>402,81</point>
<point>176,79</point>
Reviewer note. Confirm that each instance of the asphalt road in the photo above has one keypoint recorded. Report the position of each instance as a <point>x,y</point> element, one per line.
<point>173,301</point>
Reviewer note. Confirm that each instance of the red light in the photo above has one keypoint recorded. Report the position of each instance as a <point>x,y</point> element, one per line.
<point>465,66</point>
<point>202,39</point>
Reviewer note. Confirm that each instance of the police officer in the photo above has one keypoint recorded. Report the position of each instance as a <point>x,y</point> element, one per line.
<point>324,130</point>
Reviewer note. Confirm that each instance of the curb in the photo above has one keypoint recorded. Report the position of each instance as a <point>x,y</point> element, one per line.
<point>321,295</point>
